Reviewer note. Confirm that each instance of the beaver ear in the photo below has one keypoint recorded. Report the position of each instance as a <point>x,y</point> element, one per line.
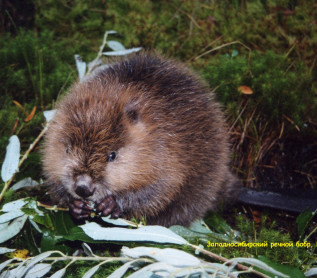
<point>131,113</point>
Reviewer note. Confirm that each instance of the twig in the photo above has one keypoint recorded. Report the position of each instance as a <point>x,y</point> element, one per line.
<point>225,45</point>
<point>225,260</point>
<point>239,116</point>
<point>210,44</point>
<point>222,46</point>
<point>313,231</point>
<point>48,207</point>
<point>291,121</point>
<point>99,53</point>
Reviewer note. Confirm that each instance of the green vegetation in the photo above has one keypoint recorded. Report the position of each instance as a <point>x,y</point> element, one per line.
<point>282,105</point>
<point>35,69</point>
<point>265,46</point>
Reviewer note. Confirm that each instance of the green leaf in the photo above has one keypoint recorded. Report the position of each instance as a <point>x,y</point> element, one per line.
<point>39,217</point>
<point>303,221</point>
<point>215,221</point>
<point>234,53</point>
<point>77,233</point>
<point>62,222</point>
<point>58,233</point>
<point>187,233</point>
<point>198,230</point>
<point>287,270</point>
<point>50,241</point>
<point>44,220</point>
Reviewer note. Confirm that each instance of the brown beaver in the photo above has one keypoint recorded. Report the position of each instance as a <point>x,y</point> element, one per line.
<point>143,137</point>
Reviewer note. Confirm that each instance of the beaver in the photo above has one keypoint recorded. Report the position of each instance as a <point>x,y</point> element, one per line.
<point>143,137</point>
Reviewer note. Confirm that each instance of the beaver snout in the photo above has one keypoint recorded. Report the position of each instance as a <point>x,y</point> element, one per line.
<point>83,186</point>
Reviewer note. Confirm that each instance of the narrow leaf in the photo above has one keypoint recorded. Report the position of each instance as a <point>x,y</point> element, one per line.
<point>186,233</point>
<point>30,263</point>
<point>27,182</point>
<point>303,221</point>
<point>31,115</point>
<point>91,272</point>
<point>258,264</point>
<point>4,226</point>
<point>118,273</point>
<point>96,64</point>
<point>311,272</point>
<point>12,273</point>
<point>165,270</point>
<point>284,270</point>
<point>11,160</point>
<point>122,52</point>
<point>14,205</point>
<point>215,221</point>
<point>4,250</point>
<point>21,107</point>
<point>119,222</point>
<point>13,228</point>
<point>171,256</point>
<point>10,215</point>
<point>49,114</point>
<point>142,273</point>
<point>115,45</point>
<point>111,32</point>
<point>35,225</point>
<point>38,270</point>
<point>87,250</point>
<point>148,233</point>
<point>4,264</point>
<point>59,274</point>
<point>81,67</point>
<point>234,53</point>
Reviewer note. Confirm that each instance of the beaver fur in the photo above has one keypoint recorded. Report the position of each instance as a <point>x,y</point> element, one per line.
<point>142,137</point>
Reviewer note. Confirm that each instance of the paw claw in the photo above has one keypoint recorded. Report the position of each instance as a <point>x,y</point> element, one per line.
<point>79,209</point>
<point>109,206</point>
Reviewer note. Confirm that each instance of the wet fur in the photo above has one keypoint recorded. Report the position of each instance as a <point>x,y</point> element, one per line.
<point>170,136</point>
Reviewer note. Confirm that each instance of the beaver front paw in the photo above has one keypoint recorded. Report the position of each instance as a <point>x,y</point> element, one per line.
<point>79,209</point>
<point>109,206</point>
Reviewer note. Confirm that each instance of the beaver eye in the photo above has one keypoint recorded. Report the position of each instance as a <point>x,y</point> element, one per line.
<point>112,156</point>
<point>67,150</point>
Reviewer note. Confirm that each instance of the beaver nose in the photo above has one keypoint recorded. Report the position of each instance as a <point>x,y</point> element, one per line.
<point>83,186</point>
